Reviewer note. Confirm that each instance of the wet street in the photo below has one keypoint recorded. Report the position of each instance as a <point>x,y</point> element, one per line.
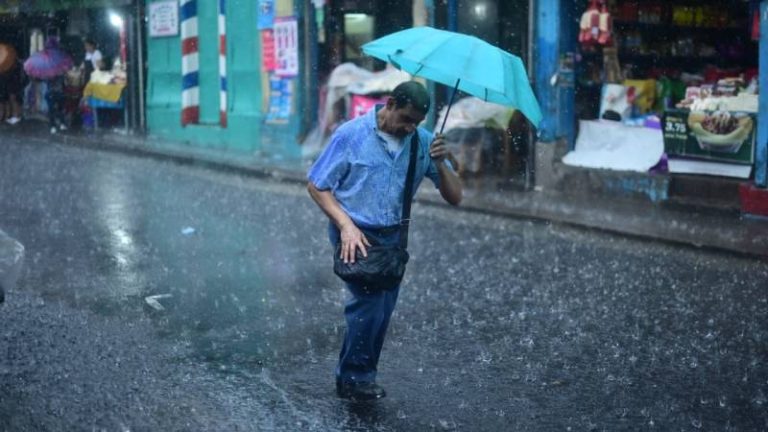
<point>158,296</point>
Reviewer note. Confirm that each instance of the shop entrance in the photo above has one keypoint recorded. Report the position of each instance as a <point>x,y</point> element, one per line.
<point>674,78</point>
<point>100,91</point>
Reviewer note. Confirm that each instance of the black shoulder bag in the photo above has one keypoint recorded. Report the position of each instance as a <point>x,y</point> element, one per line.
<point>384,267</point>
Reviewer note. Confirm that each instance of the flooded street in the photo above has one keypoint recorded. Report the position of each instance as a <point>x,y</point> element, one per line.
<point>158,296</point>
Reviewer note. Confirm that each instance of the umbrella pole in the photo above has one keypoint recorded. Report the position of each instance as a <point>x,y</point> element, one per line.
<point>450,104</point>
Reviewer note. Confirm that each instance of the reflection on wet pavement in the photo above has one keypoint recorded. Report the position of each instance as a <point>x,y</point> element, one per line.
<point>502,324</point>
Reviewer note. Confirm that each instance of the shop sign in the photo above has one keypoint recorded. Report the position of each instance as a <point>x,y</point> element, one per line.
<point>286,33</point>
<point>724,136</point>
<point>164,18</point>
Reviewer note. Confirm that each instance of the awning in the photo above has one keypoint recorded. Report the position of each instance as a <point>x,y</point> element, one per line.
<point>11,6</point>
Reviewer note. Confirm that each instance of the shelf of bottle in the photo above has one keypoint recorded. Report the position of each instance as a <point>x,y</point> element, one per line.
<point>677,28</point>
<point>629,56</point>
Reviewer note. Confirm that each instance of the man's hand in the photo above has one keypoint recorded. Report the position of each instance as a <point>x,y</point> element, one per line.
<point>450,185</point>
<point>438,150</point>
<point>351,240</point>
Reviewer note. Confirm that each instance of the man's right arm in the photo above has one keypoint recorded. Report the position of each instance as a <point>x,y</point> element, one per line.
<point>351,236</point>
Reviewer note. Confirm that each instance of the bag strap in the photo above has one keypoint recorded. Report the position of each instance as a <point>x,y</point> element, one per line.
<point>405,221</point>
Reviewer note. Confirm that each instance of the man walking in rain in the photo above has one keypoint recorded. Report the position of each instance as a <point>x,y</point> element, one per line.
<point>359,182</point>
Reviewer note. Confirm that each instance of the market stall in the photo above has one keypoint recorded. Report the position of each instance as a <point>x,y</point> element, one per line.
<point>104,91</point>
<point>676,73</point>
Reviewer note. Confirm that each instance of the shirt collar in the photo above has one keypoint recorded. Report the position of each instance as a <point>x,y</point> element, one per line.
<point>373,124</point>
<point>371,117</point>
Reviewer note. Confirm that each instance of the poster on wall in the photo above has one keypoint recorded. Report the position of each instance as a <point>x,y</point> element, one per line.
<point>724,136</point>
<point>164,18</point>
<point>268,62</point>
<point>280,99</point>
<point>361,104</point>
<point>286,32</point>
<point>266,14</point>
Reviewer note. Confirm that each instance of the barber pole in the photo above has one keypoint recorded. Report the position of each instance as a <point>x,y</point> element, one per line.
<point>223,62</point>
<point>190,64</point>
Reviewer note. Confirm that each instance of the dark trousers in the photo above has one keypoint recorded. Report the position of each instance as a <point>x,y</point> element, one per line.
<point>55,101</point>
<point>367,315</point>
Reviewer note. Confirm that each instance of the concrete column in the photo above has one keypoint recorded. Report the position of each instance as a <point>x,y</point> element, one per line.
<point>761,159</point>
<point>546,50</point>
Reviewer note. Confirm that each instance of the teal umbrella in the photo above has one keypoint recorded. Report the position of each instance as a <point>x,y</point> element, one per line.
<point>460,61</point>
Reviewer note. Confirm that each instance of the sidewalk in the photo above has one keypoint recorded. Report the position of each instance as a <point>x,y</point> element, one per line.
<point>689,225</point>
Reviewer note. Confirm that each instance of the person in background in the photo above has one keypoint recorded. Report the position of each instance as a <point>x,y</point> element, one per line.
<point>12,83</point>
<point>54,95</point>
<point>93,58</point>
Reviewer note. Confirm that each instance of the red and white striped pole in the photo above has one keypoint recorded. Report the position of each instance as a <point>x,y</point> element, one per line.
<point>223,62</point>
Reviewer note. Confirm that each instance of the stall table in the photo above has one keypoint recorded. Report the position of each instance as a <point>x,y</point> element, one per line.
<point>105,96</point>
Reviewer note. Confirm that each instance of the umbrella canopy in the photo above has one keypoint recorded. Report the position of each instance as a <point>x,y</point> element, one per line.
<point>48,63</point>
<point>7,57</point>
<point>462,61</point>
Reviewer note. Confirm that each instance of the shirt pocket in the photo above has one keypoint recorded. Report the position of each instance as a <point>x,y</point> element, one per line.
<point>361,175</point>
<point>360,168</point>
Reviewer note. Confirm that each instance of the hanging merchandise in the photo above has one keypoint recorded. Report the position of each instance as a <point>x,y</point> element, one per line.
<point>605,36</point>
<point>36,41</point>
<point>590,25</point>
<point>596,26</point>
<point>754,7</point>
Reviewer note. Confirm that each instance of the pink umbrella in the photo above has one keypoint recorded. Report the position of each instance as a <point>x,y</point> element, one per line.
<point>48,63</point>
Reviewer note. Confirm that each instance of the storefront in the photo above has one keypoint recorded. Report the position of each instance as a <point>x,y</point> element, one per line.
<point>111,25</point>
<point>351,82</point>
<point>230,74</point>
<point>657,87</point>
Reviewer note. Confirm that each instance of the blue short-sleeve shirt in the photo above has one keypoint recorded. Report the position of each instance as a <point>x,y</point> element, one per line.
<point>366,180</point>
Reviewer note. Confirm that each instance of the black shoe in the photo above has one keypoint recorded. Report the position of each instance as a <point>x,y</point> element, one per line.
<point>360,391</point>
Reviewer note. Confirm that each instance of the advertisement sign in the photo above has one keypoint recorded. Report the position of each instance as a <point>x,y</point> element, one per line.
<point>286,32</point>
<point>360,105</point>
<point>266,14</point>
<point>164,18</point>
<point>268,62</point>
<point>724,136</point>
<point>280,100</point>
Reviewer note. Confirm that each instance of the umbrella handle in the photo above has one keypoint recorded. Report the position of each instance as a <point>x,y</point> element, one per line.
<point>450,104</point>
